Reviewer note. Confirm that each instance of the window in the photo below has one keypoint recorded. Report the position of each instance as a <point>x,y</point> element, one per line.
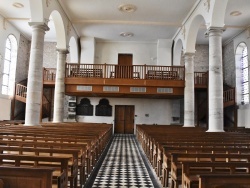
<point>244,77</point>
<point>9,69</point>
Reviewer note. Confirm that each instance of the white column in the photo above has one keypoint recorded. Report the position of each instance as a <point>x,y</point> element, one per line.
<point>59,86</point>
<point>215,81</point>
<point>35,74</point>
<point>189,109</point>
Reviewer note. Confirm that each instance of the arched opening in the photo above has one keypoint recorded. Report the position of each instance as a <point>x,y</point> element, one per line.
<point>9,70</point>
<point>192,33</point>
<point>178,53</point>
<point>56,19</point>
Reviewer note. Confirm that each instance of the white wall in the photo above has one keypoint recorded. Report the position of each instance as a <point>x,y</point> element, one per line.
<point>159,110</point>
<point>143,52</point>
<point>87,50</point>
<point>5,104</point>
<point>164,52</point>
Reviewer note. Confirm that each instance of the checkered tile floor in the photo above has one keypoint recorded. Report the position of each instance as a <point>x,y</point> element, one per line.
<point>123,166</point>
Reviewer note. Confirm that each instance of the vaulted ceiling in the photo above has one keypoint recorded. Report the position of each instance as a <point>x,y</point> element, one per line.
<point>150,21</point>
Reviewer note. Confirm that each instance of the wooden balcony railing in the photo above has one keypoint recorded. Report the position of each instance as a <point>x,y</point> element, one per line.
<point>49,74</point>
<point>200,78</point>
<point>229,97</point>
<point>125,72</point>
<point>21,90</point>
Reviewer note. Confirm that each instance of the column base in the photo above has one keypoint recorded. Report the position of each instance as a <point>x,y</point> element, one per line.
<point>215,130</point>
<point>188,126</point>
<point>69,120</point>
<point>32,125</point>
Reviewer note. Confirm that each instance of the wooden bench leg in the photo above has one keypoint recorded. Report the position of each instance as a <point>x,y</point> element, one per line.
<point>165,178</point>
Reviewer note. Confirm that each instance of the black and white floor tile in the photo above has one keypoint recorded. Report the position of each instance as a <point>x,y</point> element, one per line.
<point>123,166</point>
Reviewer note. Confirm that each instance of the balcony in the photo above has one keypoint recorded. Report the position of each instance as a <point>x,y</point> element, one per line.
<point>124,81</point>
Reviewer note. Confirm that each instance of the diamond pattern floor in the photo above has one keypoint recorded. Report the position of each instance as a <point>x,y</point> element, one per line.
<point>123,166</point>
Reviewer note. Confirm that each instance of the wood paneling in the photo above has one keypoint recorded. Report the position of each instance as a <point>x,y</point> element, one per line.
<point>124,91</point>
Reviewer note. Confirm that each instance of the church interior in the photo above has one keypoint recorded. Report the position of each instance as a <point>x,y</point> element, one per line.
<point>124,93</point>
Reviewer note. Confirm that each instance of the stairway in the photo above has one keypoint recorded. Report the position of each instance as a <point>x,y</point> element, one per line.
<point>229,106</point>
<point>21,93</point>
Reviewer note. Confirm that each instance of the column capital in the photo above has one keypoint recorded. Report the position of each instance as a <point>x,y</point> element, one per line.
<point>62,51</point>
<point>214,30</point>
<point>189,54</point>
<point>40,25</point>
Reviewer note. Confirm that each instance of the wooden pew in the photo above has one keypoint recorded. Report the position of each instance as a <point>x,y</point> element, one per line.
<point>165,163</point>
<point>33,177</point>
<point>58,163</point>
<point>56,146</point>
<point>82,72</point>
<point>191,170</point>
<point>229,180</point>
<point>154,138</point>
<point>55,136</point>
<point>89,154</point>
<point>178,158</point>
<point>162,75</point>
<point>72,153</point>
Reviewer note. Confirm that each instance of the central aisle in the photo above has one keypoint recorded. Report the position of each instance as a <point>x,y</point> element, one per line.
<point>123,166</point>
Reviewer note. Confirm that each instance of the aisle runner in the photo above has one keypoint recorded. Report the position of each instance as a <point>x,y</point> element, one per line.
<point>123,166</point>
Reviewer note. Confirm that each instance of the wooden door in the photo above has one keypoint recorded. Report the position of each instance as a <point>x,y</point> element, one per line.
<point>124,119</point>
<point>119,119</point>
<point>124,68</point>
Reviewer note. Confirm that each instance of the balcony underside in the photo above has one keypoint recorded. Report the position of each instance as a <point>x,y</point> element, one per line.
<point>135,88</point>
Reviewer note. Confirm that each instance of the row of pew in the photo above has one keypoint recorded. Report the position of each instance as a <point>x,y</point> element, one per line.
<point>52,155</point>
<point>190,157</point>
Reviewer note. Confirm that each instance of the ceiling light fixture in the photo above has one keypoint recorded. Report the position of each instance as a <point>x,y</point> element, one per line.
<point>127,34</point>
<point>127,8</point>
<point>235,13</point>
<point>18,5</point>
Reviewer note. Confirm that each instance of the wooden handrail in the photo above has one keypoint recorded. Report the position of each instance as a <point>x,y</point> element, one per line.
<point>125,72</point>
<point>229,95</point>
<point>200,78</point>
<point>49,74</point>
<point>21,90</point>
